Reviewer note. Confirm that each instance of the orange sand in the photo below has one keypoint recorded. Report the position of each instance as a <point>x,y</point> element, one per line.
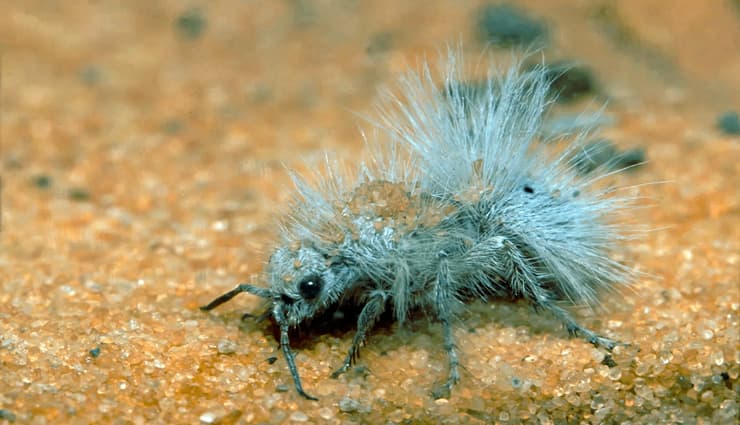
<point>142,170</point>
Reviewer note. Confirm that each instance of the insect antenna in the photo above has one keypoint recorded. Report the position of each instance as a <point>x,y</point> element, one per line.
<point>254,290</point>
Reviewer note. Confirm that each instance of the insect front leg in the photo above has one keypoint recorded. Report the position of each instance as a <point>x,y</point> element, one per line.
<point>369,315</point>
<point>279,315</point>
<point>444,299</point>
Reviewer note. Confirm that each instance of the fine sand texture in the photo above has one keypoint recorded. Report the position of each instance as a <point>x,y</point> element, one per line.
<point>144,155</point>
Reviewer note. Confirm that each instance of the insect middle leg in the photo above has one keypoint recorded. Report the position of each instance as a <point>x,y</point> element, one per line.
<point>444,300</point>
<point>369,315</point>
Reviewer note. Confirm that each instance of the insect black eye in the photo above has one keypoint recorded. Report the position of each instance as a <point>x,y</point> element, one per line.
<point>528,189</point>
<point>310,287</point>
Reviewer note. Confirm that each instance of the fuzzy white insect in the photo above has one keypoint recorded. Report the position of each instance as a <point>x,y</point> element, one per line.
<point>461,202</point>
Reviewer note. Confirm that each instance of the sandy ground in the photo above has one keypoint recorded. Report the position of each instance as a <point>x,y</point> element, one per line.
<point>142,169</point>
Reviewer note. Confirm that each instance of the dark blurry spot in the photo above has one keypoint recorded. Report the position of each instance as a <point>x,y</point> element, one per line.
<point>379,43</point>
<point>78,194</point>
<point>173,126</point>
<point>506,25</point>
<point>665,294</point>
<point>191,23</point>
<point>271,360</point>
<point>534,389</point>
<point>726,380</point>
<point>282,388</point>
<point>729,123</point>
<point>528,189</point>
<point>95,352</point>
<point>42,181</point>
<point>304,13</point>
<point>516,382</point>
<point>7,415</point>
<point>570,81</point>
<point>606,15</point>
<point>91,75</point>
<point>260,94</point>
<point>603,153</point>
<point>612,24</point>
<point>630,158</point>
<point>608,361</point>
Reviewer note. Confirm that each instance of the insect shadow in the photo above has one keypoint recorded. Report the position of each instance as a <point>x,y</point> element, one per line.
<point>340,322</point>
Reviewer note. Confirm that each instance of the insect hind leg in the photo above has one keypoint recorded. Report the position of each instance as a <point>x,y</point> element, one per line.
<point>542,299</point>
<point>575,329</point>
<point>512,264</point>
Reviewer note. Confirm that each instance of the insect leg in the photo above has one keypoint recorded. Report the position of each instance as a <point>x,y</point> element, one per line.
<point>574,328</point>
<point>369,315</point>
<point>526,283</point>
<point>285,345</point>
<point>444,299</point>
